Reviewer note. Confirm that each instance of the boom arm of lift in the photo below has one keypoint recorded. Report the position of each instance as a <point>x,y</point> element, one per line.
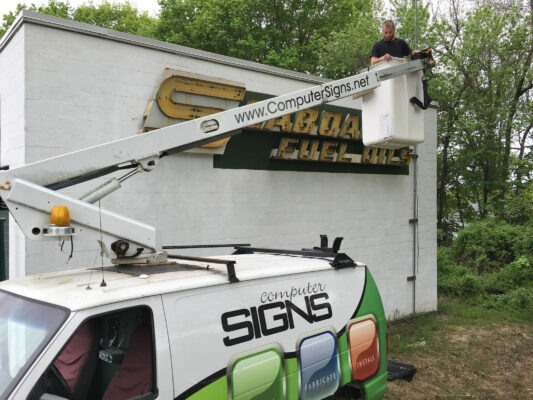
<point>30,191</point>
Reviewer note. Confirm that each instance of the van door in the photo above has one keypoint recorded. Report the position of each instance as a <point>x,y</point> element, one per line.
<point>111,352</point>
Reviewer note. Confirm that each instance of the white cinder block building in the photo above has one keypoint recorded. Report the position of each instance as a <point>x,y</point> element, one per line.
<point>65,86</point>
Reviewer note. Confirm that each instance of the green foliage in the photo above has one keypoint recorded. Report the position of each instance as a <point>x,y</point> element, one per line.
<point>517,273</point>
<point>285,33</point>
<point>518,204</point>
<point>454,279</point>
<point>54,7</point>
<point>509,289</point>
<point>483,87</point>
<point>234,27</point>
<point>346,51</point>
<point>489,263</point>
<point>470,315</point>
<point>489,245</point>
<point>517,299</point>
<point>57,8</point>
<point>122,17</point>
<point>406,29</point>
<point>9,18</point>
<point>445,261</point>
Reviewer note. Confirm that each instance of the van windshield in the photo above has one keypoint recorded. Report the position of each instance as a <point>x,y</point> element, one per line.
<point>26,326</point>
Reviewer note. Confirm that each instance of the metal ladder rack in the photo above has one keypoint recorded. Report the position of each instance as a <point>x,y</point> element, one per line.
<point>230,264</point>
<point>340,260</point>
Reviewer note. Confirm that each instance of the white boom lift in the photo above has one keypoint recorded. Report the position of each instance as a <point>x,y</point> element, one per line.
<point>30,192</point>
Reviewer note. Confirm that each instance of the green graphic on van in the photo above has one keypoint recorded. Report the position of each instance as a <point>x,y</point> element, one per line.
<point>258,376</point>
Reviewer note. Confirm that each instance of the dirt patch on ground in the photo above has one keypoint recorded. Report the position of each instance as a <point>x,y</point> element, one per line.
<point>493,361</point>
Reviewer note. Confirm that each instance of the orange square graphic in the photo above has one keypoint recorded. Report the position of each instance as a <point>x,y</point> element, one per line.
<point>364,355</point>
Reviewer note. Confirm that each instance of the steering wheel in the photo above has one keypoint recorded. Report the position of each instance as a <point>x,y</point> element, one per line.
<point>56,384</point>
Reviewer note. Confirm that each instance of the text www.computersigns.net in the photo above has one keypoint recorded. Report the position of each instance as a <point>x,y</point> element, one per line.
<point>292,104</point>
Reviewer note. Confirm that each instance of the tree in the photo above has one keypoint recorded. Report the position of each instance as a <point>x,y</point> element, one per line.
<point>484,92</point>
<point>9,18</point>
<point>346,51</point>
<point>284,33</point>
<point>122,17</point>
<point>413,25</point>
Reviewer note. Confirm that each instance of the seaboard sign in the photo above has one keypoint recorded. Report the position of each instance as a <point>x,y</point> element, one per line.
<point>315,137</point>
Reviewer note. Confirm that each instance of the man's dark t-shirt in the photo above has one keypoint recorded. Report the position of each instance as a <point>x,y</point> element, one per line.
<point>396,48</point>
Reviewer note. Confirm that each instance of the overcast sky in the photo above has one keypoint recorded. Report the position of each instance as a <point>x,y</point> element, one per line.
<point>144,5</point>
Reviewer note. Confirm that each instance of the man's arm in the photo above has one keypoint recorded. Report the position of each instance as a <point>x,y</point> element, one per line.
<point>375,60</point>
<point>407,50</point>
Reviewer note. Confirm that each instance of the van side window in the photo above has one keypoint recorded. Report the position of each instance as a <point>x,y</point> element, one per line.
<point>109,357</point>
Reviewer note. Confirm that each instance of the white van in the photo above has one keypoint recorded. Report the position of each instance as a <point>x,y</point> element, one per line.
<point>257,324</point>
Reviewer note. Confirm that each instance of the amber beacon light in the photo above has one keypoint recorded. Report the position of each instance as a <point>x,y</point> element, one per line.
<point>59,222</point>
<point>60,216</point>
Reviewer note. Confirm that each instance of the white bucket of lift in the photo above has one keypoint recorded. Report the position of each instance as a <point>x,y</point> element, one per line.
<point>389,119</point>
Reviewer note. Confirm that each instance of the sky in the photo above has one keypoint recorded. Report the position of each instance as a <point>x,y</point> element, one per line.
<point>143,5</point>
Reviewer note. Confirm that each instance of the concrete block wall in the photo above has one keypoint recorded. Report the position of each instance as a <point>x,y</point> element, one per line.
<point>426,283</point>
<point>85,89</point>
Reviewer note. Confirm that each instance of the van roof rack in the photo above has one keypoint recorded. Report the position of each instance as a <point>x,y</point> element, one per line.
<point>340,260</point>
<point>230,264</point>
<point>204,246</point>
<point>337,260</point>
<point>303,252</point>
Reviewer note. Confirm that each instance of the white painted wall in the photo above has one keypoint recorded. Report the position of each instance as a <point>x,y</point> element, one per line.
<point>12,125</point>
<point>82,90</point>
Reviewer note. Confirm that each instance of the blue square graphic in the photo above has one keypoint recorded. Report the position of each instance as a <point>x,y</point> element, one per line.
<point>319,368</point>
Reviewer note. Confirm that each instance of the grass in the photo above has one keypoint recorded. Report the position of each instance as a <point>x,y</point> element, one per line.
<point>464,352</point>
